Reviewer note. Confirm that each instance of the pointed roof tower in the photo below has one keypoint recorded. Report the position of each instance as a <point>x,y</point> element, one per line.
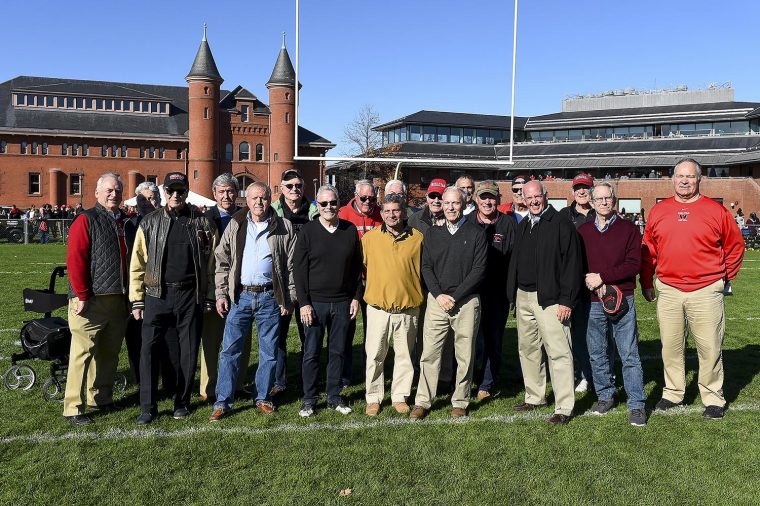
<point>283,73</point>
<point>204,66</point>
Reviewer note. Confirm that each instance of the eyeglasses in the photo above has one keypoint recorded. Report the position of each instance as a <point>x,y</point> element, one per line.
<point>290,186</point>
<point>435,196</point>
<point>516,190</point>
<point>331,203</point>
<point>365,198</point>
<point>179,191</point>
<point>604,199</point>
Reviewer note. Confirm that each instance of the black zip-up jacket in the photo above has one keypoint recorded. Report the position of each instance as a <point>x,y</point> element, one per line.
<point>501,238</point>
<point>558,260</point>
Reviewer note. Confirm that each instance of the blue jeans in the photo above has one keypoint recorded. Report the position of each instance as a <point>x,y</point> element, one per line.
<point>626,335</point>
<point>264,309</point>
<point>336,319</point>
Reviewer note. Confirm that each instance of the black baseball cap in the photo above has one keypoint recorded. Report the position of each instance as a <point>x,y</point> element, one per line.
<point>176,179</point>
<point>290,174</point>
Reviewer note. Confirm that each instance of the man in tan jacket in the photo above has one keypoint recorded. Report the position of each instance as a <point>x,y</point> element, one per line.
<point>254,281</point>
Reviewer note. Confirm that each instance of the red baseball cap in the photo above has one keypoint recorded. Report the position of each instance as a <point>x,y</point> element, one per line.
<point>583,178</point>
<point>437,186</point>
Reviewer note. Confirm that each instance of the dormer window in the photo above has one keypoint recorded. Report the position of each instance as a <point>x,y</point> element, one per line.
<point>244,114</point>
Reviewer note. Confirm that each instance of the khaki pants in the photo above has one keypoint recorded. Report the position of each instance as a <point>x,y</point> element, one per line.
<point>211,344</point>
<point>701,311</point>
<point>382,327</point>
<point>463,320</point>
<point>537,327</point>
<point>96,337</point>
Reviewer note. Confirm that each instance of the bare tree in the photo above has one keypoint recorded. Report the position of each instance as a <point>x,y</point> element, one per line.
<point>359,134</point>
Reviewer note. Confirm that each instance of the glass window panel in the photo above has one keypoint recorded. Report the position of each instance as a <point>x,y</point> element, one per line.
<point>99,104</point>
<point>23,147</point>
<point>109,104</point>
<point>88,103</point>
<point>456,135</point>
<point>34,147</point>
<point>480,136</point>
<point>80,102</point>
<point>722,127</point>
<point>113,151</point>
<point>415,133</point>
<point>259,152</point>
<point>402,134</point>
<point>152,152</point>
<point>44,148</point>
<point>244,151</point>
<point>3,145</point>
<point>428,134</point>
<point>34,183</point>
<point>40,100</point>
<point>142,151</point>
<point>575,135</point>
<point>244,114</point>
<point>64,148</point>
<point>123,151</point>
<point>648,131</point>
<point>740,127</point>
<point>48,101</point>
<point>21,99</point>
<point>85,149</point>
<point>443,133</point>
<point>686,127</point>
<point>75,149</point>
<point>70,102</point>
<point>228,152</point>
<point>468,135</point>
<point>154,107</point>
<point>161,152</point>
<point>117,105</point>
<point>104,150</point>
<point>385,137</point>
<point>561,135</point>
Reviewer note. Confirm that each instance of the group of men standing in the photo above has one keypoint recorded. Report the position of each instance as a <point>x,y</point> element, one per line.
<point>436,285</point>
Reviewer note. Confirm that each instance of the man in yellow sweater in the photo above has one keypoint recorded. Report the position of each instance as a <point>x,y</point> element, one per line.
<point>393,294</point>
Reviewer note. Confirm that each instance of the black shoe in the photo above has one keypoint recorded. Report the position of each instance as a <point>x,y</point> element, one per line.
<point>558,419</point>
<point>146,417</point>
<point>181,413</point>
<point>77,420</point>
<point>714,412</point>
<point>664,405</point>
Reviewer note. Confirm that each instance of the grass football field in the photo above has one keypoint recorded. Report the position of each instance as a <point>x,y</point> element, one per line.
<point>494,456</point>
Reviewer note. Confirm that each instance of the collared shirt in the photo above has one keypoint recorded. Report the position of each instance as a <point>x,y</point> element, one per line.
<point>469,208</point>
<point>606,226</point>
<point>535,219</point>
<point>256,265</point>
<point>224,218</point>
<point>454,227</point>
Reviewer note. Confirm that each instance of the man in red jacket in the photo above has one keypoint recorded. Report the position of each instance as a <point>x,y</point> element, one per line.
<point>96,262</point>
<point>364,213</point>
<point>696,249</point>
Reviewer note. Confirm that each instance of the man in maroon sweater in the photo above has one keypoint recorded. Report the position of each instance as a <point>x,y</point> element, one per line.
<point>613,254</point>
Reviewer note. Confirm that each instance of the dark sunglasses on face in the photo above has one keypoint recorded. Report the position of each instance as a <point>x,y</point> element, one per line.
<point>179,191</point>
<point>331,203</point>
<point>290,186</point>
<point>365,198</point>
<point>435,196</point>
<point>516,190</point>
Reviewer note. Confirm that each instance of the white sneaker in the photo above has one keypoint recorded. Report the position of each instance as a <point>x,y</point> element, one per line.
<point>582,386</point>
<point>340,407</point>
<point>306,411</point>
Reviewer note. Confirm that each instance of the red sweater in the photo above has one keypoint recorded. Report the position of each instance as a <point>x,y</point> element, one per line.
<point>78,255</point>
<point>690,245</point>
<point>615,254</point>
<point>362,222</point>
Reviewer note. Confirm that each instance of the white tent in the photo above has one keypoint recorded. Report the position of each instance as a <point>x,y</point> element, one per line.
<point>192,198</point>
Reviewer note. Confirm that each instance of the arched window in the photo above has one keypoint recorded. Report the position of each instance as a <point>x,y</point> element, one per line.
<point>113,151</point>
<point>65,148</point>
<point>123,151</point>
<point>243,181</point>
<point>44,148</point>
<point>3,145</point>
<point>152,152</point>
<point>104,151</point>
<point>259,152</point>
<point>75,149</point>
<point>245,151</point>
<point>161,152</point>
<point>228,152</point>
<point>85,149</point>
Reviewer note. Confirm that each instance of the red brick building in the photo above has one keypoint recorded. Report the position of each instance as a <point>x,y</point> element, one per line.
<point>57,136</point>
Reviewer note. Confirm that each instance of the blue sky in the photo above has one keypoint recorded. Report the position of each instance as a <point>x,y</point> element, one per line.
<point>398,56</point>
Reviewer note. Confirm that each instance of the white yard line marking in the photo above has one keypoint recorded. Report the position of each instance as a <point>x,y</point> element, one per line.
<point>121,434</point>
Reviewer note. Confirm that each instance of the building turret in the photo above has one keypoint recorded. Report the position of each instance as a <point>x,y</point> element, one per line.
<point>282,90</point>
<point>204,81</point>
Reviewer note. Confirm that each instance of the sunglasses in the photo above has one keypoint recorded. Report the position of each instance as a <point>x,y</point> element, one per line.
<point>290,186</point>
<point>435,196</point>
<point>331,203</point>
<point>516,190</point>
<point>365,198</point>
<point>179,191</point>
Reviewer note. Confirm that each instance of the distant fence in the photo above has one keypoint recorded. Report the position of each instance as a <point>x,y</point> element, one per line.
<point>25,231</point>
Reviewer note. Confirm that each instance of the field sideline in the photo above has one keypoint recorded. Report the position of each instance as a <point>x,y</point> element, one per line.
<point>494,456</point>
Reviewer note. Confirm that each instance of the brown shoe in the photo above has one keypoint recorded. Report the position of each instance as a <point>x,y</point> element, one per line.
<point>265,408</point>
<point>458,412</point>
<point>418,413</point>
<point>373,409</point>
<point>401,407</point>
<point>217,414</point>
<point>276,390</point>
<point>526,406</point>
<point>558,419</point>
<point>483,395</point>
